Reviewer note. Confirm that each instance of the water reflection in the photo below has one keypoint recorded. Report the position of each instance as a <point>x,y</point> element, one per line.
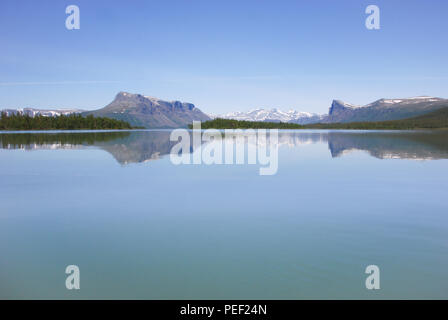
<point>140,146</point>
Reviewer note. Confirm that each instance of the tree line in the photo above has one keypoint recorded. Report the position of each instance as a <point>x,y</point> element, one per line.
<point>220,123</point>
<point>62,122</point>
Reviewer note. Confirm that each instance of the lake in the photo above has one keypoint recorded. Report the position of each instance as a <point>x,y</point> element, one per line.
<point>140,227</point>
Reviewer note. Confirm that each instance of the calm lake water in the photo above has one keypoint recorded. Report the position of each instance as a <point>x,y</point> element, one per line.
<point>139,226</point>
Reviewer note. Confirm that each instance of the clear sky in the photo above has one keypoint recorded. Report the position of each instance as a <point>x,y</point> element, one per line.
<point>221,55</point>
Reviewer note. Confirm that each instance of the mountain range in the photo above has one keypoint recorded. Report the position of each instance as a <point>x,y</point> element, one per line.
<point>274,115</point>
<point>380,110</point>
<point>32,112</point>
<point>150,112</point>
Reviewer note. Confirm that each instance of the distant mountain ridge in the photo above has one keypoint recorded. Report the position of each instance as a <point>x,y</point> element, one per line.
<point>150,112</point>
<point>32,112</point>
<point>274,115</point>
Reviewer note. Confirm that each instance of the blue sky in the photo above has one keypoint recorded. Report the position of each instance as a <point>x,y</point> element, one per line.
<point>221,55</point>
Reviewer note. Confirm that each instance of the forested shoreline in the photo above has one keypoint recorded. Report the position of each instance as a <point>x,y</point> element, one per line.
<point>62,122</point>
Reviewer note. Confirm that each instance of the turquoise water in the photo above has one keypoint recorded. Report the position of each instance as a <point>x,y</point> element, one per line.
<point>141,227</point>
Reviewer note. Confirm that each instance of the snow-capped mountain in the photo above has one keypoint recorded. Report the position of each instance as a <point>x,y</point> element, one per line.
<point>46,113</point>
<point>273,115</point>
<point>384,109</point>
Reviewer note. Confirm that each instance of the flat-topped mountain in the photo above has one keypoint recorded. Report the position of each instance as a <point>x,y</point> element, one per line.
<point>150,112</point>
<point>384,109</point>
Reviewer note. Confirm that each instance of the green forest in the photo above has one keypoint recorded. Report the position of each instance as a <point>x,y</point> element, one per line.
<point>219,123</point>
<point>62,122</point>
<point>434,120</point>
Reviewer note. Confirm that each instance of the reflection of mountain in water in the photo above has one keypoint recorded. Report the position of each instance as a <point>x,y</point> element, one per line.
<point>140,146</point>
<point>387,145</point>
<point>125,146</point>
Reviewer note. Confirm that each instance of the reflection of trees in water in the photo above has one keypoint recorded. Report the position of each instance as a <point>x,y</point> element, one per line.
<point>40,140</point>
<point>140,146</point>
<point>125,146</point>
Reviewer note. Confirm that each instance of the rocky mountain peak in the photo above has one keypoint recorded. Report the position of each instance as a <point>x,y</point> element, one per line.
<point>150,112</point>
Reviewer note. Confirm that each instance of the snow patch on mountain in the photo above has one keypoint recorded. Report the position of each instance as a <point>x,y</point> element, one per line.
<point>32,112</point>
<point>273,115</point>
<point>412,100</point>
